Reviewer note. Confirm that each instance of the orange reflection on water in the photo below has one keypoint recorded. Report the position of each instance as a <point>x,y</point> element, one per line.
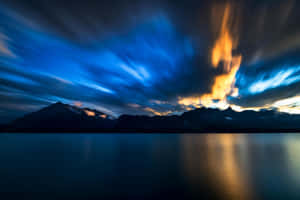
<point>292,146</point>
<point>221,156</point>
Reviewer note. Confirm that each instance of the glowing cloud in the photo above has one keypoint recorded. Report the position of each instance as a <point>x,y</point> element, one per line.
<point>151,110</point>
<point>78,104</point>
<point>221,56</point>
<point>89,113</point>
<point>289,105</point>
<point>103,116</point>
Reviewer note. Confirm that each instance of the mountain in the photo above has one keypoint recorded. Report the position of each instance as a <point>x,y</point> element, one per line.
<point>64,118</point>
<point>61,117</point>
<point>213,120</point>
<point>130,123</point>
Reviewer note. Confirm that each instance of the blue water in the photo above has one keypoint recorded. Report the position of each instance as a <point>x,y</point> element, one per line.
<point>150,166</point>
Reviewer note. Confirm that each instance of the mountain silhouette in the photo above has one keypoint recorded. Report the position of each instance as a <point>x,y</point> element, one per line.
<point>61,117</point>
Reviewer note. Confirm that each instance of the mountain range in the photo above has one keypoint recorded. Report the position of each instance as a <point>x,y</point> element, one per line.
<point>61,117</point>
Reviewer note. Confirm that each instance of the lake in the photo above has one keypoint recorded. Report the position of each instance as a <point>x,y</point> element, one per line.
<point>150,166</point>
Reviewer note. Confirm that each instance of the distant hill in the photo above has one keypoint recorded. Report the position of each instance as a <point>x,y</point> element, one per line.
<point>64,118</point>
<point>61,117</point>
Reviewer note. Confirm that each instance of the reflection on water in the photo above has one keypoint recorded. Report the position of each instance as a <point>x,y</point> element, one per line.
<point>242,166</point>
<point>224,155</point>
<point>292,147</point>
<point>150,166</point>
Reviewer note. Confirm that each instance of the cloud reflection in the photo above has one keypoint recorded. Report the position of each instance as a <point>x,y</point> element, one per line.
<point>223,156</point>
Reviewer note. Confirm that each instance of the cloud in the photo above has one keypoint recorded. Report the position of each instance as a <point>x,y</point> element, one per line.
<point>4,49</point>
<point>140,58</point>
<point>283,77</point>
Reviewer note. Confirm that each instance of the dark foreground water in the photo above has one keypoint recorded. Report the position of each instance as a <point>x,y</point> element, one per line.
<point>150,166</point>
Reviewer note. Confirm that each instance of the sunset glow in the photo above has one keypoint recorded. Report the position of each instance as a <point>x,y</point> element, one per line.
<point>221,56</point>
<point>89,113</point>
<point>162,61</point>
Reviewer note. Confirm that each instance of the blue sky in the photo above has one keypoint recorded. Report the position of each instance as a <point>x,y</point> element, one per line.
<point>134,63</point>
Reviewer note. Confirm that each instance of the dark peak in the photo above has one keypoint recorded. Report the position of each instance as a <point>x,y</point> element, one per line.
<point>229,110</point>
<point>270,110</point>
<point>205,109</point>
<point>57,105</point>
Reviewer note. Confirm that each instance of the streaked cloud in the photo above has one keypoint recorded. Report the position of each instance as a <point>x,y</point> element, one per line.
<point>162,57</point>
<point>285,76</point>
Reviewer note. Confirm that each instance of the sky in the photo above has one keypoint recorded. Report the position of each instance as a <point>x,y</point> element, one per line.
<point>149,57</point>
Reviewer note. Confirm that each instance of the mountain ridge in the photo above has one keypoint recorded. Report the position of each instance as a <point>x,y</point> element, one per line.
<point>61,117</point>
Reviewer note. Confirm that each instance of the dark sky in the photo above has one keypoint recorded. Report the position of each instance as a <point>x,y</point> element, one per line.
<point>149,57</point>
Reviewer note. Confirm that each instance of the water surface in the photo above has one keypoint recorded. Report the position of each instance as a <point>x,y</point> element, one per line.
<point>150,166</point>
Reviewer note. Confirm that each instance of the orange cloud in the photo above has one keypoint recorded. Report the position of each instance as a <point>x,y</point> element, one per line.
<point>103,116</point>
<point>77,103</point>
<point>221,56</point>
<point>156,112</point>
<point>89,113</point>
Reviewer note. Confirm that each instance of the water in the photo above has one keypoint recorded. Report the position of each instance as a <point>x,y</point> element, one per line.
<point>150,166</point>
